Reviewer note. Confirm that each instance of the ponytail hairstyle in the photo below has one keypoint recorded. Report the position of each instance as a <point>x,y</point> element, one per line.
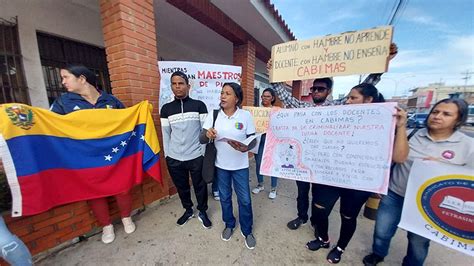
<point>368,90</point>
<point>80,70</point>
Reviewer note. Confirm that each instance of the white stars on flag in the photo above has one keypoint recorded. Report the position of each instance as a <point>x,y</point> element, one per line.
<point>123,143</point>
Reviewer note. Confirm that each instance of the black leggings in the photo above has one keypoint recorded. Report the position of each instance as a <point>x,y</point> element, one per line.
<point>351,203</point>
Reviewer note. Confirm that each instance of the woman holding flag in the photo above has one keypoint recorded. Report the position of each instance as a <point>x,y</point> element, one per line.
<point>82,93</point>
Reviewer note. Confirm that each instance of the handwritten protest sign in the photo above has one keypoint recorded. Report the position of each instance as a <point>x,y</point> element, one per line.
<point>206,80</point>
<point>356,52</point>
<point>344,146</point>
<point>261,117</point>
<point>439,204</point>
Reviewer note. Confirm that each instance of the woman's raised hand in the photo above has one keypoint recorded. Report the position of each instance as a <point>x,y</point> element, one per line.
<point>401,117</point>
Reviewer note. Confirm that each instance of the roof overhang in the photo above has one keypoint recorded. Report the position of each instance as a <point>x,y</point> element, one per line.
<point>214,27</point>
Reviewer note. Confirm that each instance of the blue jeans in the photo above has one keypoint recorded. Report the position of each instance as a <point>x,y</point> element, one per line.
<point>13,249</point>
<point>258,162</point>
<point>240,180</point>
<point>388,217</point>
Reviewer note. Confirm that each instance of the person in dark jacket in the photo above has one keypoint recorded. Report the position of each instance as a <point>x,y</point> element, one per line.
<point>82,93</point>
<point>181,123</point>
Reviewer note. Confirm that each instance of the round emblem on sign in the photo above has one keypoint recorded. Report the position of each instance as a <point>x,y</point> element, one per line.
<point>447,203</point>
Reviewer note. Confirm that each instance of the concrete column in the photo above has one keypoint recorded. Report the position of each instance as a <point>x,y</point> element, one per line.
<point>132,58</point>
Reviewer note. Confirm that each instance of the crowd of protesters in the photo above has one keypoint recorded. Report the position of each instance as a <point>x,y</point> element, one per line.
<point>186,127</point>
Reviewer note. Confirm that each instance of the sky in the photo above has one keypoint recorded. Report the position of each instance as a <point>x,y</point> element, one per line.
<point>435,38</point>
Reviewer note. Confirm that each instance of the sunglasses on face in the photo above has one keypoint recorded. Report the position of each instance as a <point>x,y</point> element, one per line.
<point>318,89</point>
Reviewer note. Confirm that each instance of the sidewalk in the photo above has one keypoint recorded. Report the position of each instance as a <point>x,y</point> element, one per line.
<point>158,241</point>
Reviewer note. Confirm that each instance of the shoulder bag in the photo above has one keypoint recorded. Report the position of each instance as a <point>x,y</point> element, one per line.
<point>208,164</point>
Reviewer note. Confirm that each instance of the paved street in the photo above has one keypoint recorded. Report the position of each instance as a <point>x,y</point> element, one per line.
<point>158,241</point>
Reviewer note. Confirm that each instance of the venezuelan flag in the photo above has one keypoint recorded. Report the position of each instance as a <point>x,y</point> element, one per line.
<point>53,159</point>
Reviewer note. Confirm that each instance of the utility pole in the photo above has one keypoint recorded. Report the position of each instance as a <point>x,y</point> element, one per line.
<point>467,76</point>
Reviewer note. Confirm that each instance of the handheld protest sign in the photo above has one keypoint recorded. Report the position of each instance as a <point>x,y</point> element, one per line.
<point>355,52</point>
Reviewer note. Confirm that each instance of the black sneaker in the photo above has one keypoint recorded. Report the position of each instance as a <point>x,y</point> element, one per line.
<point>206,223</point>
<point>372,259</point>
<point>295,224</point>
<point>317,244</point>
<point>335,255</point>
<point>185,218</point>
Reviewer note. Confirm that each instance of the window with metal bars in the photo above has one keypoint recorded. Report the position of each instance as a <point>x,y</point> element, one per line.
<point>57,52</point>
<point>12,78</point>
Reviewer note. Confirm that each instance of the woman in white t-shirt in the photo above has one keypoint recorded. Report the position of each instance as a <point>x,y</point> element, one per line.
<point>232,164</point>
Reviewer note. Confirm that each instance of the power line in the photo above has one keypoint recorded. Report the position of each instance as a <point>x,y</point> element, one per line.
<point>395,9</point>
<point>467,76</point>
<point>400,12</point>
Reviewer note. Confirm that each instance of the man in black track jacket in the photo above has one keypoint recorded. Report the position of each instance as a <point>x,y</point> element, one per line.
<point>181,123</point>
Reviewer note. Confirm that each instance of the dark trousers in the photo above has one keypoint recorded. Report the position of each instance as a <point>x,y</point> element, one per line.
<point>180,171</point>
<point>302,201</point>
<point>351,203</point>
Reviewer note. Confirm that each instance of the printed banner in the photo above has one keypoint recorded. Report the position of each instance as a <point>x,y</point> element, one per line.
<point>346,146</point>
<point>206,80</point>
<point>53,159</point>
<point>261,117</point>
<point>439,204</point>
<point>355,52</point>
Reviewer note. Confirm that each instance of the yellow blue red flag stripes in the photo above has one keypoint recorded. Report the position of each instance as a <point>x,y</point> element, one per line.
<point>53,159</point>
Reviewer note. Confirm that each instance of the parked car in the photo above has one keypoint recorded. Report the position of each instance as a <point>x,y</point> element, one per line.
<point>470,116</point>
<point>417,120</point>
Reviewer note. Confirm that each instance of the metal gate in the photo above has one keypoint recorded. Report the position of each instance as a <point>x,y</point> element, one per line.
<point>57,52</point>
<point>13,86</point>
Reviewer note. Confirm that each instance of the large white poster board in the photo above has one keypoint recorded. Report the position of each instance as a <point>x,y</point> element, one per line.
<point>206,80</point>
<point>439,204</point>
<point>354,52</point>
<point>344,146</point>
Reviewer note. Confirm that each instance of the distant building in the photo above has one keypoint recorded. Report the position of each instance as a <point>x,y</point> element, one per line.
<point>402,101</point>
<point>423,98</point>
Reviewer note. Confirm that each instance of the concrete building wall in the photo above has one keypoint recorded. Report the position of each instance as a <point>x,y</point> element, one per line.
<point>73,19</point>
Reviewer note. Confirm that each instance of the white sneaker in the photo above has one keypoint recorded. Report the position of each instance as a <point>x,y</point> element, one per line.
<point>128,225</point>
<point>272,194</point>
<point>108,235</point>
<point>216,195</point>
<point>257,189</point>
